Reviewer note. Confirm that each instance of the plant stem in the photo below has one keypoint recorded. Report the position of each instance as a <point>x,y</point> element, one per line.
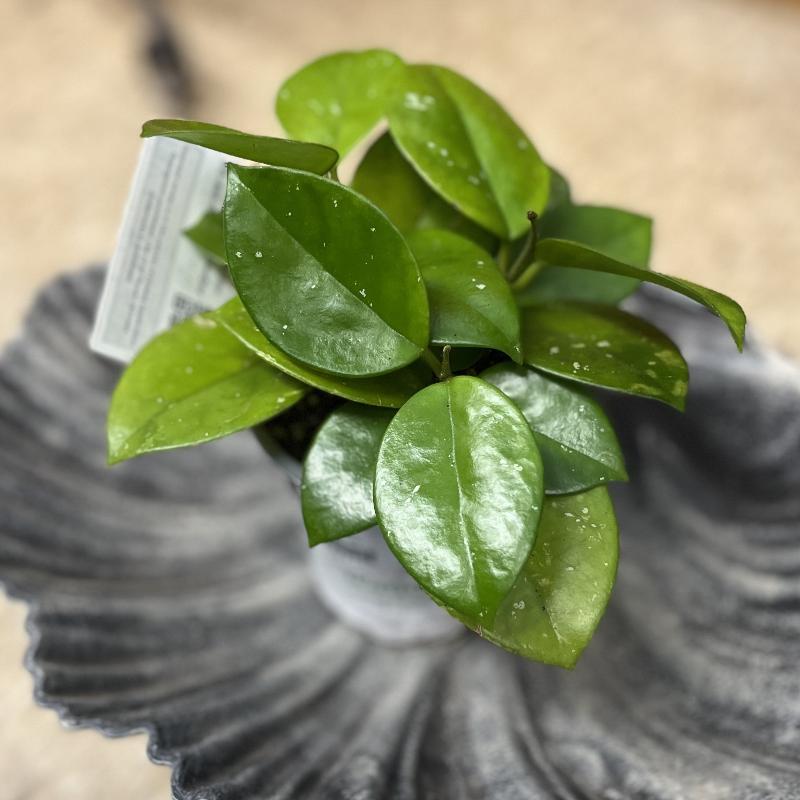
<point>334,173</point>
<point>525,280</point>
<point>502,257</point>
<point>433,362</point>
<point>446,373</point>
<point>528,249</point>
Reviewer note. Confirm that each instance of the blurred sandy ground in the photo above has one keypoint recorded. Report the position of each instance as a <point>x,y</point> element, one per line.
<point>687,110</point>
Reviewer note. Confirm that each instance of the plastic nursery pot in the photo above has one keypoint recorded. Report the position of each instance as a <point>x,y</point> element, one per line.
<point>360,581</point>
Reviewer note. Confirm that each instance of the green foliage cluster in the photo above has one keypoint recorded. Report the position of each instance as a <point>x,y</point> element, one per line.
<point>460,304</point>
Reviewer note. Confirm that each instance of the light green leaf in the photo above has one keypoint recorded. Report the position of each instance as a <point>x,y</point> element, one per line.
<point>575,438</point>
<point>458,490</point>
<point>207,234</point>
<point>390,390</point>
<point>192,384</point>
<point>560,194</point>
<point>603,346</point>
<point>471,302</point>
<point>263,149</point>
<point>561,594</point>
<point>574,255</point>
<point>339,98</point>
<point>339,473</point>
<point>323,273</point>
<point>386,178</point>
<point>618,234</point>
<point>465,146</point>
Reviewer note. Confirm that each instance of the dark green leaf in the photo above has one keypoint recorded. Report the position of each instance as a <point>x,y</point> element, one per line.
<point>461,358</point>
<point>471,302</point>
<point>604,346</point>
<point>263,149</point>
<point>207,234</point>
<point>574,255</point>
<point>323,273</point>
<point>338,98</point>
<point>575,438</point>
<point>386,178</point>
<point>616,233</point>
<point>339,473</point>
<point>464,144</point>
<point>192,384</point>
<point>382,390</point>
<point>561,594</point>
<point>458,490</point>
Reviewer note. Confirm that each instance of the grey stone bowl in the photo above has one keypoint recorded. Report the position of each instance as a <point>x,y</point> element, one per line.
<point>171,595</point>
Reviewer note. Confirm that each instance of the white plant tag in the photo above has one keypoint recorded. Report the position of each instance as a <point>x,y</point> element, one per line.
<point>156,276</point>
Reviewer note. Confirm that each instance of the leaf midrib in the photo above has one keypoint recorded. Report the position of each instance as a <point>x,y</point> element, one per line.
<point>468,135</point>
<point>460,491</point>
<point>255,365</point>
<point>370,311</point>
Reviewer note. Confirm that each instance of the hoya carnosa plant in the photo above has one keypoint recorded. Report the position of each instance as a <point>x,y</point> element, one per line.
<point>450,313</point>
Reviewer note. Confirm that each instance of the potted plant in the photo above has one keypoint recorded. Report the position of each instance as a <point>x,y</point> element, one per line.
<point>426,340</point>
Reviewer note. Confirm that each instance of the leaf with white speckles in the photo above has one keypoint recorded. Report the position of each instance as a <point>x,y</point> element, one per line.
<point>603,346</point>
<point>323,273</point>
<point>338,99</point>
<point>467,147</point>
<point>575,437</point>
<point>561,594</point>
<point>471,302</point>
<point>192,384</point>
<point>458,491</point>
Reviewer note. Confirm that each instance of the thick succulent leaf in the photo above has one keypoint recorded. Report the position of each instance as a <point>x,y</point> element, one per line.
<point>339,98</point>
<point>470,301</point>
<point>577,443</point>
<point>574,255</point>
<point>323,273</point>
<point>339,473</point>
<point>458,491</point>
<point>618,234</point>
<point>390,390</point>
<point>603,346</point>
<point>465,145</point>
<point>208,235</point>
<point>263,149</point>
<point>192,384</point>
<point>551,613</point>
<point>386,178</point>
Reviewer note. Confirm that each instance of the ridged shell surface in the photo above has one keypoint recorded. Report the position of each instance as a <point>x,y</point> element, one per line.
<point>171,594</point>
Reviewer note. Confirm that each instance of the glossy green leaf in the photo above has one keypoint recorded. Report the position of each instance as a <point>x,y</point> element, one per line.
<point>577,443</point>
<point>574,255</point>
<point>323,273</point>
<point>390,390</point>
<point>192,384</point>
<point>339,98</point>
<point>465,145</point>
<point>618,234</point>
<point>385,177</point>
<point>458,490</point>
<point>262,149</point>
<point>603,346</point>
<point>470,301</point>
<point>208,235</point>
<point>339,473</point>
<point>561,594</point>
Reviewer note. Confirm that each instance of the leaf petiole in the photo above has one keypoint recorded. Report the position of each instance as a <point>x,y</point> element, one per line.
<point>528,249</point>
<point>527,276</point>
<point>430,359</point>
